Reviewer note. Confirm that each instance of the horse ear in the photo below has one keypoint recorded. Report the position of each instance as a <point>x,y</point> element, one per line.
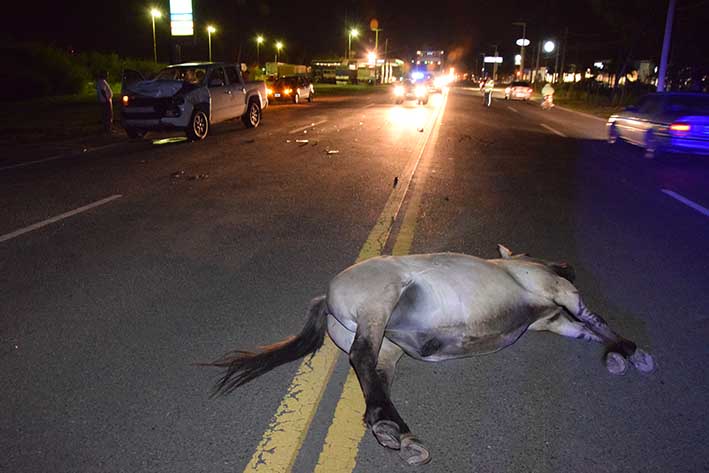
<point>565,270</point>
<point>505,252</point>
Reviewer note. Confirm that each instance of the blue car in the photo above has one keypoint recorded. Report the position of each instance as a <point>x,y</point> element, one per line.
<point>671,122</point>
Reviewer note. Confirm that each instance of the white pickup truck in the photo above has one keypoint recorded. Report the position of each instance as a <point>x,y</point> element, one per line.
<point>190,97</point>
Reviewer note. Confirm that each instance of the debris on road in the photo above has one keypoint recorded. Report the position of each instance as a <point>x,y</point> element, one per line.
<point>420,129</point>
<point>396,181</point>
<point>287,141</point>
<point>177,175</point>
<point>301,141</point>
<point>198,177</point>
<point>246,142</point>
<point>332,151</point>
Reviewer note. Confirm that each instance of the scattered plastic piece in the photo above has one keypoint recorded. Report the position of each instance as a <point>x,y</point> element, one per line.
<point>301,141</point>
<point>333,151</point>
<point>420,129</point>
<point>177,174</point>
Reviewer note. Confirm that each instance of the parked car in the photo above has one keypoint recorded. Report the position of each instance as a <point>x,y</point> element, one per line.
<point>410,90</point>
<point>664,122</point>
<point>190,97</point>
<point>292,89</point>
<point>518,90</point>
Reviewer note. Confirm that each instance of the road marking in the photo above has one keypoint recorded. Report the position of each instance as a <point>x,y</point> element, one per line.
<point>513,109</point>
<point>281,442</point>
<point>59,156</point>
<point>587,115</point>
<point>702,210</point>
<point>369,105</point>
<point>44,223</point>
<point>339,453</point>
<point>553,130</point>
<point>299,129</point>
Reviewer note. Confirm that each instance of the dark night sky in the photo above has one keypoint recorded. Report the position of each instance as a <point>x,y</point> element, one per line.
<point>597,28</point>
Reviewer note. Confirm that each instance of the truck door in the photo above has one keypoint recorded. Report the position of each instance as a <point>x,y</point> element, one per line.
<point>238,92</point>
<point>220,94</point>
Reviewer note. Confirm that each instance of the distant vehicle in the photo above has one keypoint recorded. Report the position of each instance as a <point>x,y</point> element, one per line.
<point>410,90</point>
<point>518,90</point>
<point>292,89</point>
<point>190,97</point>
<point>661,123</point>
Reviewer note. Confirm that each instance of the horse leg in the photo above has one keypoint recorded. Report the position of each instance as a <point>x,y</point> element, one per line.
<point>375,375</point>
<point>618,348</point>
<point>561,324</point>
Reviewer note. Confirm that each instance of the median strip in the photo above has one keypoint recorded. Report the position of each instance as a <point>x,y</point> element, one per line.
<point>44,223</point>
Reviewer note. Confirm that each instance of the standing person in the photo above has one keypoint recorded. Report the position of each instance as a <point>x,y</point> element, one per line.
<point>487,92</point>
<point>548,94</point>
<point>105,98</point>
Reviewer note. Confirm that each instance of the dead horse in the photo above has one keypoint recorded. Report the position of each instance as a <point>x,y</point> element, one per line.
<point>433,307</point>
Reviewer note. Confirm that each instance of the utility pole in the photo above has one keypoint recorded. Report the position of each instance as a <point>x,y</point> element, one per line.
<point>666,46</point>
<point>523,24</point>
<point>563,55</point>
<point>539,52</point>
<point>494,66</point>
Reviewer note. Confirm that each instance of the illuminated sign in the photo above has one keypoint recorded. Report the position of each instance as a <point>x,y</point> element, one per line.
<point>522,42</point>
<point>181,21</point>
<point>493,59</point>
<point>518,59</point>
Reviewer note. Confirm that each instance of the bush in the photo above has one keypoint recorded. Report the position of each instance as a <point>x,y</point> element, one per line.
<point>40,71</point>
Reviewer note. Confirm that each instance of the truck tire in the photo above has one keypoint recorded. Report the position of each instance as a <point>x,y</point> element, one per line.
<point>252,117</point>
<point>198,128</point>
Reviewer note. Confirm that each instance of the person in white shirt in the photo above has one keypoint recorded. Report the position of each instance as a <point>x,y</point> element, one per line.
<point>105,98</point>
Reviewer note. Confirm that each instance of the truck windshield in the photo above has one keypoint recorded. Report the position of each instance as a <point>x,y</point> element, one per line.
<point>190,74</point>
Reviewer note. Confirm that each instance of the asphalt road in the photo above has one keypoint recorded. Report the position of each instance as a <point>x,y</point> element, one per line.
<point>121,268</point>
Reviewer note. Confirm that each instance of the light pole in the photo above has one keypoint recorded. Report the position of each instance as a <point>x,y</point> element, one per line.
<point>259,41</point>
<point>662,72</point>
<point>353,33</point>
<point>522,45</point>
<point>210,30</point>
<point>155,13</point>
<point>549,47</point>
<point>279,46</point>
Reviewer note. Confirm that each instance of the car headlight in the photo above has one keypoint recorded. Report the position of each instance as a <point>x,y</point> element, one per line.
<point>398,91</point>
<point>420,91</point>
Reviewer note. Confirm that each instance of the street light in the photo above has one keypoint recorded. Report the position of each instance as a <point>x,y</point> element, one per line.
<point>210,30</point>
<point>155,13</point>
<point>279,46</point>
<point>549,46</point>
<point>353,33</point>
<point>259,41</point>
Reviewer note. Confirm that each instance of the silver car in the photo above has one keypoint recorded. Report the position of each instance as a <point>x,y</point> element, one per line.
<point>661,123</point>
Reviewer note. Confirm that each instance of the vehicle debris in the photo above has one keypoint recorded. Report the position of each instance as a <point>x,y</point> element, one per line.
<point>332,151</point>
<point>420,129</point>
<point>301,141</point>
<point>396,181</point>
<point>198,177</point>
<point>177,175</point>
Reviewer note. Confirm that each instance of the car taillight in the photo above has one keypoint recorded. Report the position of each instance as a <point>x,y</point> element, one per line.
<point>287,91</point>
<point>680,127</point>
<point>125,100</point>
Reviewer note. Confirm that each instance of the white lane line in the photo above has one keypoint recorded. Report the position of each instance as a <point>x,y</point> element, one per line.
<point>513,109</point>
<point>70,154</point>
<point>44,223</point>
<point>299,129</point>
<point>587,115</point>
<point>553,130</point>
<point>702,210</point>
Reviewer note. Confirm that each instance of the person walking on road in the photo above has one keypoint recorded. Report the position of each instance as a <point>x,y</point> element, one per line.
<point>105,98</point>
<point>487,92</point>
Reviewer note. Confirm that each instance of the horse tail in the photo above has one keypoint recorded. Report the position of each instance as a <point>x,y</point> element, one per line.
<point>243,366</point>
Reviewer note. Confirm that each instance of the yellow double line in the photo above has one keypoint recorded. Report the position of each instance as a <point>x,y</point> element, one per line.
<point>280,444</point>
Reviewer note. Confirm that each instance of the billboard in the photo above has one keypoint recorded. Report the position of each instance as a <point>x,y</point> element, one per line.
<point>181,21</point>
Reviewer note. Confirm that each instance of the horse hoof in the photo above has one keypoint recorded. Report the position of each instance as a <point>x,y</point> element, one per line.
<point>616,364</point>
<point>643,361</point>
<point>412,452</point>
<point>387,434</point>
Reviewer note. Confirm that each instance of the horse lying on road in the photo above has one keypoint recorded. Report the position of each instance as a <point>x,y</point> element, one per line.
<point>433,307</point>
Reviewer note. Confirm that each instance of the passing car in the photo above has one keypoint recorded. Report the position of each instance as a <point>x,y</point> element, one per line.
<point>190,97</point>
<point>291,89</point>
<point>669,122</point>
<point>518,90</point>
<point>410,90</point>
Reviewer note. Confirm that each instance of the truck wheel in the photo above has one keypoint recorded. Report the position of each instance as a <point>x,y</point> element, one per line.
<point>135,134</point>
<point>252,117</point>
<point>199,126</point>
